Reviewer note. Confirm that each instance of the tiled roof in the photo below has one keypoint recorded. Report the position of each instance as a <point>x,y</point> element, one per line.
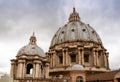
<point>102,76</point>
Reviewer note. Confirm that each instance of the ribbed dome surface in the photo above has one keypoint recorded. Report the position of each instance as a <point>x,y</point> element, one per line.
<point>75,30</point>
<point>31,48</point>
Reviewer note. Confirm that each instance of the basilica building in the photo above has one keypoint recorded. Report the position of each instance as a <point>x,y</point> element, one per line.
<point>76,54</point>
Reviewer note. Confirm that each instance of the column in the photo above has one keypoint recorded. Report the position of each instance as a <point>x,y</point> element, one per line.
<point>40,71</point>
<point>102,59</point>
<point>12,68</point>
<point>79,56</point>
<point>64,57</point>
<point>105,60</point>
<point>56,59</point>
<point>94,57</point>
<point>47,70</point>
<point>67,57</point>
<point>24,69</point>
<point>51,64</point>
<point>53,60</point>
<point>107,55</point>
<point>82,56</point>
<point>97,58</point>
<point>20,68</point>
<point>37,71</point>
<point>34,68</point>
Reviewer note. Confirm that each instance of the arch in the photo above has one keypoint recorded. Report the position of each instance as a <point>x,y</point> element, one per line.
<point>29,69</point>
<point>79,79</point>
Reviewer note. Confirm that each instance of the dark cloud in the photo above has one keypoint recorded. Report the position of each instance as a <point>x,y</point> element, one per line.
<point>28,15</point>
<point>19,18</point>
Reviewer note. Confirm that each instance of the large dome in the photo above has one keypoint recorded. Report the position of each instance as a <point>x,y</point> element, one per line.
<point>31,48</point>
<point>75,30</point>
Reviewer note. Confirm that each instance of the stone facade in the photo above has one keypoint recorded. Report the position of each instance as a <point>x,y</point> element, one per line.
<point>77,43</point>
<point>76,54</point>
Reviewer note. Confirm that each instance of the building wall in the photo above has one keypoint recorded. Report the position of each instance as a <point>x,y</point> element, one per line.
<point>6,78</point>
<point>74,74</point>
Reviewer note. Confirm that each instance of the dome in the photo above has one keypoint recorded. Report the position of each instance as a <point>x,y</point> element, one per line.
<point>75,30</point>
<point>31,48</point>
<point>77,67</point>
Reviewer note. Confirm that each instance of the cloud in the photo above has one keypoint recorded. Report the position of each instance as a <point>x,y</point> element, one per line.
<point>18,19</point>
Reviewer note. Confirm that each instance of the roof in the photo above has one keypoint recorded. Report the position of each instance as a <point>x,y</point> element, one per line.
<point>102,76</point>
<point>32,48</point>
<point>75,30</point>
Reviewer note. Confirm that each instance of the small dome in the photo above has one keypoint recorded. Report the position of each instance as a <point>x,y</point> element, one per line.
<point>77,67</point>
<point>31,48</point>
<point>75,30</point>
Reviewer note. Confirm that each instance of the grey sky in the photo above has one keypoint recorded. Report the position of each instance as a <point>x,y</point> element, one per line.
<point>19,18</point>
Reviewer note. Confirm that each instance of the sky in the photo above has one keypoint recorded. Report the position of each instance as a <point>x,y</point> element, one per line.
<point>20,18</point>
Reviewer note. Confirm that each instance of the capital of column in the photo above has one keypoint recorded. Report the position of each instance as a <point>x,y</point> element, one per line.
<point>12,63</point>
<point>64,50</point>
<point>47,64</point>
<point>53,52</point>
<point>37,61</point>
<point>80,47</point>
<point>107,54</point>
<point>21,61</point>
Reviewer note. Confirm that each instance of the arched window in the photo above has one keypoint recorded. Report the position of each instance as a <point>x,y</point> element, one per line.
<point>79,79</point>
<point>29,68</point>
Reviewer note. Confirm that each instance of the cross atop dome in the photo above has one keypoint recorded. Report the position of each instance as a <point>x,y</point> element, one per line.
<point>74,16</point>
<point>33,39</point>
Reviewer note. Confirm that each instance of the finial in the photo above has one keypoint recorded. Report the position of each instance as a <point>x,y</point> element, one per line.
<point>74,16</point>
<point>73,9</point>
<point>33,39</point>
<point>33,33</point>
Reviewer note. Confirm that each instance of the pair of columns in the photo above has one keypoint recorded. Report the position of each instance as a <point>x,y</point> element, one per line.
<point>80,56</point>
<point>54,59</point>
<point>66,57</point>
<point>97,61</point>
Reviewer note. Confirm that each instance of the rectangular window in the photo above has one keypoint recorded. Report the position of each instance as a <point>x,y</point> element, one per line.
<point>86,57</point>
<point>73,58</point>
<point>60,59</point>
